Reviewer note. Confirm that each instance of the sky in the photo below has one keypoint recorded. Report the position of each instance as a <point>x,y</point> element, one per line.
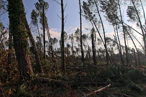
<point>54,12</point>
<point>72,20</point>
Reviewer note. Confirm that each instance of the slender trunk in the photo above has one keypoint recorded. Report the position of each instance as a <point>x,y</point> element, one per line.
<point>107,55</point>
<point>40,40</point>
<point>143,33</point>
<point>135,31</point>
<point>44,32</point>
<point>119,46</point>
<point>94,25</point>
<point>130,27</point>
<point>67,56</point>
<point>10,48</point>
<point>89,56</point>
<point>72,48</point>
<point>52,52</point>
<point>135,57</point>
<point>134,45</point>
<point>49,37</point>
<point>127,61</point>
<point>17,26</point>
<point>93,46</point>
<point>10,52</point>
<point>62,39</point>
<point>82,52</point>
<point>143,11</point>
<point>37,58</point>
<point>137,41</point>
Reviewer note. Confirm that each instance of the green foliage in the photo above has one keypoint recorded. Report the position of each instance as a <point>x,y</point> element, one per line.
<point>135,87</point>
<point>17,23</point>
<point>106,73</point>
<point>39,12</point>
<point>136,75</point>
<point>34,16</point>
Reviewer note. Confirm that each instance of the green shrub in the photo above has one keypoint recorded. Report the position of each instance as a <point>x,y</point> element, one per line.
<point>136,75</point>
<point>106,73</point>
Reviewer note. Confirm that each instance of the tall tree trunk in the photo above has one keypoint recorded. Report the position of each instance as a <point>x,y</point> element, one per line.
<point>119,46</point>
<point>10,52</point>
<point>81,43</point>
<point>88,53</point>
<point>62,39</point>
<point>52,52</point>
<point>93,46</point>
<point>107,55</point>
<point>72,48</point>
<point>40,41</point>
<point>19,33</point>
<point>44,32</point>
<point>143,33</point>
<point>143,11</point>
<point>123,33</point>
<point>134,45</point>
<point>37,59</point>
<point>135,57</point>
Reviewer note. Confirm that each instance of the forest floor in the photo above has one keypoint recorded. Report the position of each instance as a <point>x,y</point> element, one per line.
<point>88,81</point>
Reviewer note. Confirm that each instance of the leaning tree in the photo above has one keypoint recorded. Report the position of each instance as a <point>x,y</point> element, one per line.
<point>19,33</point>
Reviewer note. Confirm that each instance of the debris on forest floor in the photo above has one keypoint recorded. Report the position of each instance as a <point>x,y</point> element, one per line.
<point>115,81</point>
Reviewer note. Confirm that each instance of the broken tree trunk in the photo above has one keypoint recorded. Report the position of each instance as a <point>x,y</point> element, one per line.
<point>99,90</point>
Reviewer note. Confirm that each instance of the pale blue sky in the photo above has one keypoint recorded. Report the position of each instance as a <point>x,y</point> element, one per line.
<point>71,11</point>
<point>72,22</point>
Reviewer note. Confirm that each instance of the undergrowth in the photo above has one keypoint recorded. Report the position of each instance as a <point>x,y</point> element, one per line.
<point>79,81</point>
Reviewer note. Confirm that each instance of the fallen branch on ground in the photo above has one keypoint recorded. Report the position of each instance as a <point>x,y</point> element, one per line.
<point>68,83</point>
<point>63,83</point>
<point>99,90</point>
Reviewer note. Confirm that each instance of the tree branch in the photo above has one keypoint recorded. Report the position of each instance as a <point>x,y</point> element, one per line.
<point>99,90</point>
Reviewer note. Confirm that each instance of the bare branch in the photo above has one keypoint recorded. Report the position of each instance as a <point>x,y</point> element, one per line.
<point>99,90</point>
<point>58,16</point>
<point>57,2</point>
<point>3,13</point>
<point>65,6</point>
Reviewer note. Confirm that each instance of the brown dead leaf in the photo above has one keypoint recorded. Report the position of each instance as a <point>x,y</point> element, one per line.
<point>35,87</point>
<point>9,92</point>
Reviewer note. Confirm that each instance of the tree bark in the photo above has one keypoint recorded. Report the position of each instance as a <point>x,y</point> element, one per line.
<point>134,46</point>
<point>82,52</point>
<point>10,52</point>
<point>52,52</point>
<point>143,11</point>
<point>40,41</point>
<point>93,46</point>
<point>107,55</point>
<point>143,33</point>
<point>62,39</point>
<point>135,57</point>
<point>127,60</point>
<point>119,46</point>
<point>99,90</point>
<point>44,32</point>
<point>38,62</point>
<point>19,33</point>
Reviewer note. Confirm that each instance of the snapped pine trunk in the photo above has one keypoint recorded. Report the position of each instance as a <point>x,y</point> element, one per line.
<point>18,31</point>
<point>37,58</point>
<point>44,31</point>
